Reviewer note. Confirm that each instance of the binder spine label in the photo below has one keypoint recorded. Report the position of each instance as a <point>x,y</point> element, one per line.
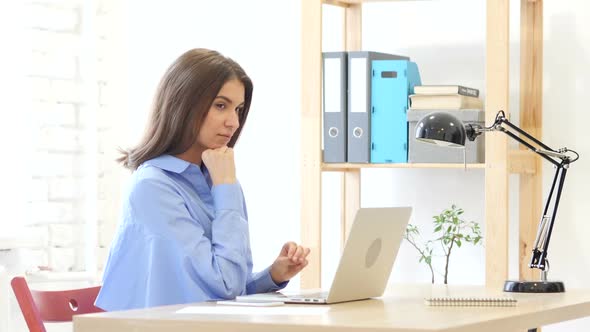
<point>334,106</point>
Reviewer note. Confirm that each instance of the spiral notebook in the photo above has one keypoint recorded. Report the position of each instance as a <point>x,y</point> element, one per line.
<point>471,301</point>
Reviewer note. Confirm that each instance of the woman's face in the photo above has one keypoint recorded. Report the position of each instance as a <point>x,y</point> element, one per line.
<point>222,120</point>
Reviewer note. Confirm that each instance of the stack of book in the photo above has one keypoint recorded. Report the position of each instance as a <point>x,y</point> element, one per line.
<point>445,97</point>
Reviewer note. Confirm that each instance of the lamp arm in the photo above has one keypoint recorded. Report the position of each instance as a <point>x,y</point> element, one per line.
<point>546,152</point>
<point>501,123</point>
<point>541,244</point>
<point>561,163</point>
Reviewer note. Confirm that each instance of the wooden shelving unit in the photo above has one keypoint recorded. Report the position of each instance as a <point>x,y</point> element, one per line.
<point>500,161</point>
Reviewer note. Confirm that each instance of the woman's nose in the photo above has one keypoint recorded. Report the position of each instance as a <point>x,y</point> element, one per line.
<point>233,120</point>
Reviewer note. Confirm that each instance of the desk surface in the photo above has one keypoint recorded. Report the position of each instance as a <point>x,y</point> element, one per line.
<point>402,309</point>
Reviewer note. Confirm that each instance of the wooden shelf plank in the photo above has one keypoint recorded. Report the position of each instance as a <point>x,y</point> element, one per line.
<point>344,166</point>
<point>521,162</point>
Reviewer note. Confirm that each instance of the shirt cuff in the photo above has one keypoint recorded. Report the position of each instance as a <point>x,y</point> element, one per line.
<point>263,283</point>
<point>227,197</point>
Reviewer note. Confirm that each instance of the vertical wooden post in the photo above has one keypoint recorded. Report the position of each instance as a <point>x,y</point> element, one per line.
<point>353,27</point>
<point>531,108</point>
<point>351,178</point>
<point>311,116</point>
<point>496,176</point>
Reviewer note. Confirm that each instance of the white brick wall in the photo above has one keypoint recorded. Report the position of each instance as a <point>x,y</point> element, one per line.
<point>64,189</point>
<point>53,114</point>
<point>64,259</point>
<point>39,190</point>
<point>48,17</point>
<point>53,65</point>
<point>58,138</point>
<point>39,88</point>
<point>53,212</point>
<point>53,42</point>
<point>65,235</point>
<point>55,164</point>
<point>44,70</point>
<point>34,257</point>
<point>59,150</point>
<point>65,91</point>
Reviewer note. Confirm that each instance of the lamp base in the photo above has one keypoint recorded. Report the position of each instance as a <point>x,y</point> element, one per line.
<point>517,286</point>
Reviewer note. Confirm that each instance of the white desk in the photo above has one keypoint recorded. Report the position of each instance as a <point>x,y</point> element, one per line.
<point>401,310</point>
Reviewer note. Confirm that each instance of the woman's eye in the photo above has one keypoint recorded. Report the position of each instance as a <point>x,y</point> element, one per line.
<point>239,109</point>
<point>220,106</point>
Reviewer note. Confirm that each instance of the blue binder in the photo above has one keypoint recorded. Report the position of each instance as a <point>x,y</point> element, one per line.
<point>359,103</point>
<point>392,82</point>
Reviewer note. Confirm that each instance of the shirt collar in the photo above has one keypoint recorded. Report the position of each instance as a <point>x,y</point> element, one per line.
<point>169,163</point>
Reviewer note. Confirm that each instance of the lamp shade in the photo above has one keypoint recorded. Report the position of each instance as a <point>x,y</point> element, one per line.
<point>441,128</point>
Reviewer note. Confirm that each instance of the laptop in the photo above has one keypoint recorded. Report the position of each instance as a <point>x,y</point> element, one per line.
<point>365,264</point>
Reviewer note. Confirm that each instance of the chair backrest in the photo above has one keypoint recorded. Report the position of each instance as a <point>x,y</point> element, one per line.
<point>52,306</point>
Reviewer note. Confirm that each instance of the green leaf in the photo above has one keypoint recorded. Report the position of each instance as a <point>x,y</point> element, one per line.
<point>411,229</point>
<point>458,242</point>
<point>438,228</point>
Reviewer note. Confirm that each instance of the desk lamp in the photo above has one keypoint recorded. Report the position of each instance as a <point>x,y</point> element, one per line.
<point>446,130</point>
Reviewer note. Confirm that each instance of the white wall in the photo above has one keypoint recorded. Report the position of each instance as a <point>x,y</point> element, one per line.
<point>565,123</point>
<point>447,40</point>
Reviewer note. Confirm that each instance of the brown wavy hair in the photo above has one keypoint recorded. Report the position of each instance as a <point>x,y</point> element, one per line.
<point>183,98</point>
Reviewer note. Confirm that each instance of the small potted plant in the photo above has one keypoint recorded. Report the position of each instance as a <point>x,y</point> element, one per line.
<point>451,231</point>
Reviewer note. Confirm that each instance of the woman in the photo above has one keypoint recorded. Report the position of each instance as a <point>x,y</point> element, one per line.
<point>184,233</point>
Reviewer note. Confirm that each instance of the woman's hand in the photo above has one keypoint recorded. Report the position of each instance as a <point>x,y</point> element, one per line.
<point>292,259</point>
<point>221,166</point>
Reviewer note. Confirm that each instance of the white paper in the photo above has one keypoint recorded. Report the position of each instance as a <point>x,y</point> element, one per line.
<point>229,310</point>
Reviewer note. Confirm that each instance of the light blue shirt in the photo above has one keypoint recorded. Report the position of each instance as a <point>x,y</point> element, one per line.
<point>181,240</point>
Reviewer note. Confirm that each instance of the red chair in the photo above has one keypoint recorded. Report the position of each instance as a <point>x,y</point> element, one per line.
<point>52,306</point>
